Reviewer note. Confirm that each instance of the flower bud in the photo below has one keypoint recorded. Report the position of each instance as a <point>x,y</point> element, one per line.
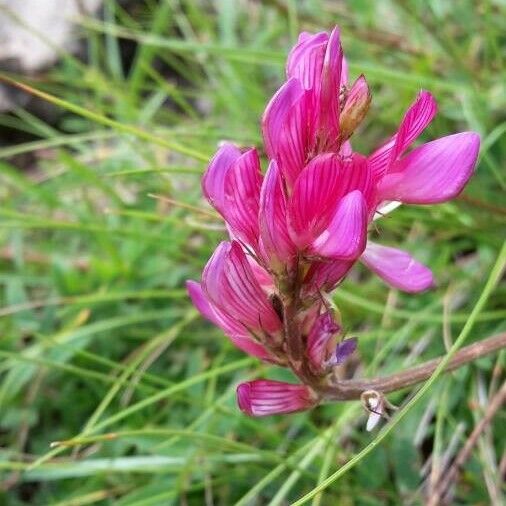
<point>355,108</point>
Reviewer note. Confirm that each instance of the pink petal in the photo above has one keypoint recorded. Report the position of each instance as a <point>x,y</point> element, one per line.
<point>356,174</point>
<point>328,123</point>
<point>346,149</point>
<point>397,268</point>
<point>213,181</point>
<point>235,331</point>
<point>253,348</point>
<point>287,126</point>
<point>416,119</point>
<point>242,195</point>
<point>201,302</point>
<point>319,341</point>
<point>380,159</point>
<point>268,397</point>
<point>209,311</point>
<point>230,284</point>
<point>244,283</point>
<point>305,61</point>
<point>264,279</point>
<point>344,72</point>
<point>314,198</point>
<point>346,235</point>
<point>325,276</point>
<point>277,245</point>
<point>434,172</point>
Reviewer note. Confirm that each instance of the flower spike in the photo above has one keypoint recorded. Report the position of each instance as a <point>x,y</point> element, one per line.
<point>297,232</point>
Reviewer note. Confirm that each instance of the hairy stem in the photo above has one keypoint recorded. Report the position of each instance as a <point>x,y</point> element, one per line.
<point>352,389</point>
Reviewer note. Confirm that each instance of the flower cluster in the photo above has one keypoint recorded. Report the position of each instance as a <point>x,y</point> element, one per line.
<point>296,231</point>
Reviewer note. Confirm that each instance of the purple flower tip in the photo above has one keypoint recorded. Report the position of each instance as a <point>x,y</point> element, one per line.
<point>344,349</point>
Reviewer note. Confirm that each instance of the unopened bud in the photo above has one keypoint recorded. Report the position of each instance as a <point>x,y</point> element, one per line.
<point>355,108</point>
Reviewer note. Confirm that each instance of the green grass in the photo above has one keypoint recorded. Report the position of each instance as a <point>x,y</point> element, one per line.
<point>100,348</point>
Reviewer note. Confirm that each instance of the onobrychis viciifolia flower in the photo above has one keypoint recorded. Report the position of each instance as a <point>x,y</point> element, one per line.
<point>297,230</point>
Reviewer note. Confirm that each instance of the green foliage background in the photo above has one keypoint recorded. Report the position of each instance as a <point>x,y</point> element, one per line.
<point>98,340</point>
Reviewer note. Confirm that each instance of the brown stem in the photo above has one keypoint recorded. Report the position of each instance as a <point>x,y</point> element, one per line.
<point>292,308</point>
<point>352,389</point>
<point>444,484</point>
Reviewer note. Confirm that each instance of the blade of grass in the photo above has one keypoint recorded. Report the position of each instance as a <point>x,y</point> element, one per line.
<point>106,121</point>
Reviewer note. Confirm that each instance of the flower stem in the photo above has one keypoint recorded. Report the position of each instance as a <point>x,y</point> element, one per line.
<point>352,389</point>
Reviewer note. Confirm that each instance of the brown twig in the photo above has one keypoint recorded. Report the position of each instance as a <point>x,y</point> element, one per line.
<point>352,389</point>
<point>444,483</point>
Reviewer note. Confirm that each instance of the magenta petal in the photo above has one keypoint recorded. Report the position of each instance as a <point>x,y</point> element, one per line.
<point>329,94</point>
<point>305,61</point>
<point>325,276</point>
<point>416,119</point>
<point>242,195</point>
<point>200,301</point>
<point>246,287</point>
<point>276,113</point>
<point>213,181</point>
<point>344,72</point>
<point>314,198</point>
<point>286,127</point>
<point>251,347</point>
<point>397,268</point>
<point>379,160</point>
<point>263,277</point>
<point>356,175</point>
<point>236,332</point>
<point>346,235</point>
<point>221,319</point>
<point>277,245</point>
<point>213,314</point>
<point>346,150</point>
<point>322,331</point>
<point>230,284</point>
<point>213,276</point>
<point>434,172</point>
<point>268,397</point>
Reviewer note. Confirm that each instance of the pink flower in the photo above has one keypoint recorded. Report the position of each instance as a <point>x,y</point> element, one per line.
<point>323,351</point>
<point>268,397</point>
<point>296,232</point>
<point>278,249</point>
<point>231,296</point>
<point>232,185</point>
<point>306,130</point>
<point>431,173</point>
